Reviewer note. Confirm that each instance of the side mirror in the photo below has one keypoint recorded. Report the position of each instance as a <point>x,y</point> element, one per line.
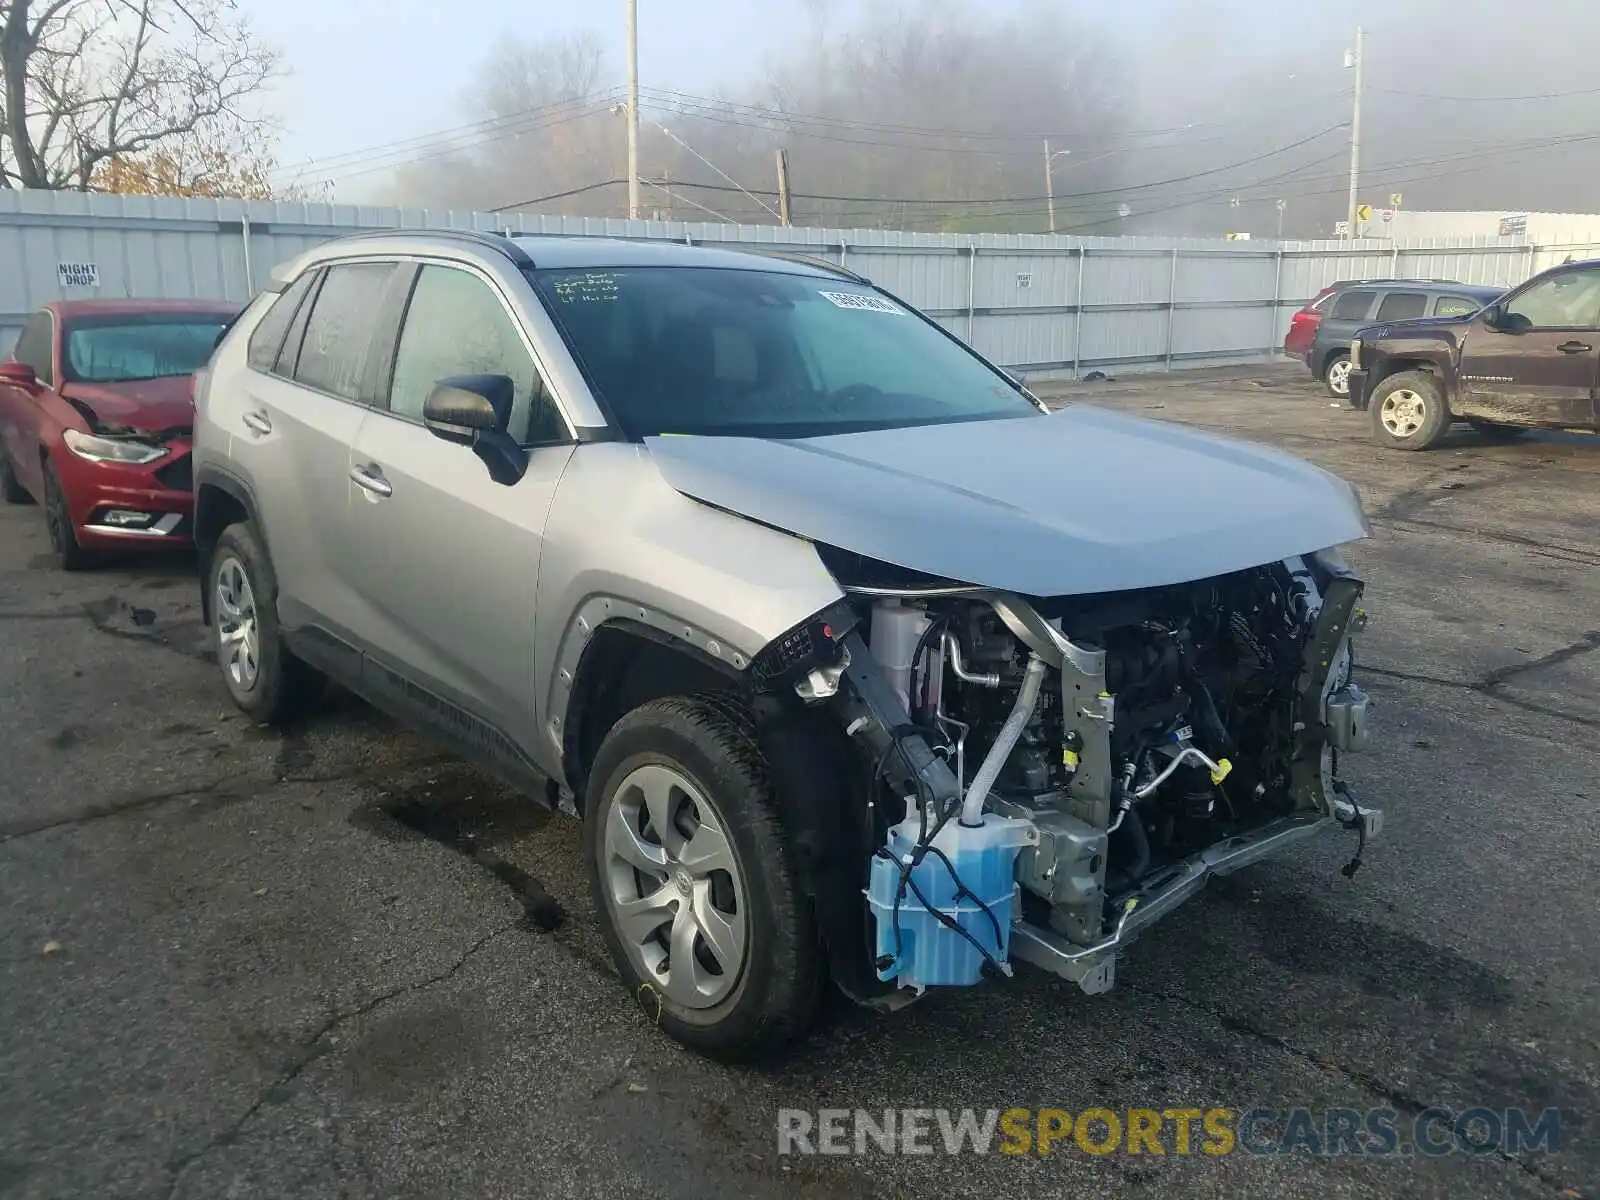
<point>1490,316</point>
<point>18,373</point>
<point>475,410</point>
<point>461,408</point>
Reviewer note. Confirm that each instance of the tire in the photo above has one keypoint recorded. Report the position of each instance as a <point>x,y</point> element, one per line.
<point>58,521</point>
<point>1493,431</point>
<point>697,762</point>
<point>1409,411</point>
<point>1336,375</point>
<point>266,681</point>
<point>11,489</point>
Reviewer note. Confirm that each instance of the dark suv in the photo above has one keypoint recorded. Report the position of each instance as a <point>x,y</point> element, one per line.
<point>1320,333</point>
<point>1529,360</point>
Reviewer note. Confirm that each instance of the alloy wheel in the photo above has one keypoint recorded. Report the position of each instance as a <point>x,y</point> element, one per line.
<point>1403,412</point>
<point>674,888</point>
<point>1339,377</point>
<point>238,636</point>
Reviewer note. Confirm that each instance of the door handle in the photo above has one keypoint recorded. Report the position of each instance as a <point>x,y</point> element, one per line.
<point>372,480</point>
<point>257,423</point>
<point>1574,347</point>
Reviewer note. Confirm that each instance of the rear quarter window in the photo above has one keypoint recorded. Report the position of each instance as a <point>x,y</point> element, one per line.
<point>266,339</point>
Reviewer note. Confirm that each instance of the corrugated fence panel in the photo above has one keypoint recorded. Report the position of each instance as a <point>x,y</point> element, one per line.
<point>934,280</point>
<point>1143,300</point>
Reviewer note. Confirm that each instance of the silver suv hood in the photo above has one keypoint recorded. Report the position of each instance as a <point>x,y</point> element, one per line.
<point>1084,500</point>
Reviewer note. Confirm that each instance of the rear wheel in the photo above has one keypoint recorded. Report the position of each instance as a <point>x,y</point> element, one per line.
<point>1494,431</point>
<point>693,881</point>
<point>58,521</point>
<point>1409,411</point>
<point>264,679</point>
<point>1336,375</point>
<point>11,489</point>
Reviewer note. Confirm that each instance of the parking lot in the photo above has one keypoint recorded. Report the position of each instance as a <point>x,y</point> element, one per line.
<point>333,961</point>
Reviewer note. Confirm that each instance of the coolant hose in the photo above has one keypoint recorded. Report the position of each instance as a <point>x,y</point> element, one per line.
<point>1010,732</point>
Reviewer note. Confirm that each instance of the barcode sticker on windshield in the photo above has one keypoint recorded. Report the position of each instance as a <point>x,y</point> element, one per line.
<point>857,300</point>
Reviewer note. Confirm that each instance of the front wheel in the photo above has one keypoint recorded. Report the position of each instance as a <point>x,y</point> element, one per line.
<point>1409,411</point>
<point>693,880</point>
<point>1336,376</point>
<point>58,522</point>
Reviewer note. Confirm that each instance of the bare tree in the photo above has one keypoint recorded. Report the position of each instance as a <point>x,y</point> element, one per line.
<point>89,83</point>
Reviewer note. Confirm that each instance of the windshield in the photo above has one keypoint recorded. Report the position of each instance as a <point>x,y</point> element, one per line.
<point>147,346</point>
<point>764,354</point>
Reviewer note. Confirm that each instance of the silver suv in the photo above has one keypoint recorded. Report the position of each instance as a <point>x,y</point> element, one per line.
<point>857,662</point>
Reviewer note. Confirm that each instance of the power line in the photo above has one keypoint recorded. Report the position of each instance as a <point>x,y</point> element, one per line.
<point>1113,191</point>
<point>1490,99</point>
<point>851,124</point>
<point>510,125</point>
<point>577,191</point>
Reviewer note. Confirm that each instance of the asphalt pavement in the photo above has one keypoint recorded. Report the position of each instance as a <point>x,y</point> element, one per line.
<point>336,962</point>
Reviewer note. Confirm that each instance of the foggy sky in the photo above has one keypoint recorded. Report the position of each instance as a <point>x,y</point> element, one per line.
<point>1249,76</point>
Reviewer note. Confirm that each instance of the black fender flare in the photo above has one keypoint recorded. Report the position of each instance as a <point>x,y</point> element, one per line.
<point>208,480</point>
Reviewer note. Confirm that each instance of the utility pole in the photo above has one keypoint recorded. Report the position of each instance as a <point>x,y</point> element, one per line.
<point>1283,207</point>
<point>1049,184</point>
<point>784,212</point>
<point>633,110</point>
<point>1356,59</point>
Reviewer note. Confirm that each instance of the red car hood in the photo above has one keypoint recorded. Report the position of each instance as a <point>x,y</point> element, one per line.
<point>149,405</point>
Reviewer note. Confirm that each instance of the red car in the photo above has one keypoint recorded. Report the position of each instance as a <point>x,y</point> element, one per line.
<point>96,413</point>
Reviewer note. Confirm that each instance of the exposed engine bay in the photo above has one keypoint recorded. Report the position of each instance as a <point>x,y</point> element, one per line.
<point>1070,769</point>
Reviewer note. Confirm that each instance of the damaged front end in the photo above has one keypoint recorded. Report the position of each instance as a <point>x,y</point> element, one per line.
<point>1049,776</point>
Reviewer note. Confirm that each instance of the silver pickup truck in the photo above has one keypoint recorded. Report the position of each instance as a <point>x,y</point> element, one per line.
<point>857,662</point>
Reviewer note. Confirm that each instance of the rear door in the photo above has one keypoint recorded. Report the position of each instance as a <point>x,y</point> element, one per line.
<point>443,560</point>
<point>1542,364</point>
<point>1351,310</point>
<point>1401,306</point>
<point>295,431</point>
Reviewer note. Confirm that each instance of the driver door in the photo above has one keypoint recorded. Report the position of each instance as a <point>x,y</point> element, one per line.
<point>444,559</point>
<point>1540,365</point>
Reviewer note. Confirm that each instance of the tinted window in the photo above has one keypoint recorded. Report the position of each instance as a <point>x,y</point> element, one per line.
<point>267,337</point>
<point>748,352</point>
<point>457,325</point>
<point>147,346</point>
<point>1571,298</point>
<point>333,355</point>
<point>33,346</point>
<point>1456,306</point>
<point>1353,305</point>
<point>1403,306</point>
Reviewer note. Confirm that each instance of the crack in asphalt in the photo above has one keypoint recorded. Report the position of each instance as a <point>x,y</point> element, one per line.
<point>1500,675</point>
<point>1561,553</point>
<point>248,789</point>
<point>1492,685</point>
<point>1401,1100</point>
<point>10,831</point>
<point>307,1052</point>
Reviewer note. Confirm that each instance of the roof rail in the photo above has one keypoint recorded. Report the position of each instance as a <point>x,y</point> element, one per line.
<point>489,241</point>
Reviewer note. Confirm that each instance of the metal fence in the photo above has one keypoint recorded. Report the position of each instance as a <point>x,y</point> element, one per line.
<point>1037,304</point>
